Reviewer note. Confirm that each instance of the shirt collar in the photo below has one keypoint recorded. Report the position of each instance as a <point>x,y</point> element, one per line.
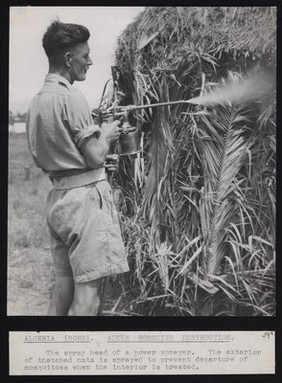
<point>53,77</point>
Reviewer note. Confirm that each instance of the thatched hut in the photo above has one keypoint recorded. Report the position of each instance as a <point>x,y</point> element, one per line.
<point>199,215</point>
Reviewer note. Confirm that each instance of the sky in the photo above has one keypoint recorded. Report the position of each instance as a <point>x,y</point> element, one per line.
<point>28,63</point>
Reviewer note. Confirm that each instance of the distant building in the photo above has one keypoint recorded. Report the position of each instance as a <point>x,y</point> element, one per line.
<point>17,123</point>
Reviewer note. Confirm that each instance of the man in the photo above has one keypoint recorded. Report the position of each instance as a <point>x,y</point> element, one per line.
<point>86,243</point>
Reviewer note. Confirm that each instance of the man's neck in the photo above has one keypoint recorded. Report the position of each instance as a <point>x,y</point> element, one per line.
<point>61,72</point>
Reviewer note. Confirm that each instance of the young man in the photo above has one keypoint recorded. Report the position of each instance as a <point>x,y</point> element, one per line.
<point>86,242</point>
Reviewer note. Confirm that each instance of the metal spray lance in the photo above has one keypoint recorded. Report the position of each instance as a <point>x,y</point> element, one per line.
<point>247,89</point>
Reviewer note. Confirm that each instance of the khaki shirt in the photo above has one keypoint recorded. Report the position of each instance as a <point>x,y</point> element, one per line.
<point>58,122</point>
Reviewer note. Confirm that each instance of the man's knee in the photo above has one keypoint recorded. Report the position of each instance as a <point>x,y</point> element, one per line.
<point>85,308</point>
<point>87,298</point>
<point>62,296</point>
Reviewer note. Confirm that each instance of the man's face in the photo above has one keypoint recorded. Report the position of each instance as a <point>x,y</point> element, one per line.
<point>80,62</point>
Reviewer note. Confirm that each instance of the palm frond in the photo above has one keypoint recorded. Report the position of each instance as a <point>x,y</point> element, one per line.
<point>199,223</point>
<point>222,159</point>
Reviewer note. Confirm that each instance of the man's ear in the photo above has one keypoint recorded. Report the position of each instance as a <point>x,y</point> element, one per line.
<point>67,59</point>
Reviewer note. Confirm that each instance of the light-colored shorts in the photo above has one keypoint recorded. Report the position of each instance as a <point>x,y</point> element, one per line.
<point>86,240</point>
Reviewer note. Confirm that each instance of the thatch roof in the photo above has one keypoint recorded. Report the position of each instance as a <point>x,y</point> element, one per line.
<point>204,187</point>
<point>162,39</point>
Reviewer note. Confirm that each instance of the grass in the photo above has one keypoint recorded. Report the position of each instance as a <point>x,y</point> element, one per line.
<point>30,265</point>
<point>30,271</point>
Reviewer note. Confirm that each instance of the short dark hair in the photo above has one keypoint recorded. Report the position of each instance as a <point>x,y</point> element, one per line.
<point>60,37</point>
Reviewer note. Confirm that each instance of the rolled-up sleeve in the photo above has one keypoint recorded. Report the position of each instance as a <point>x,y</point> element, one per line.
<point>79,118</point>
<point>91,130</point>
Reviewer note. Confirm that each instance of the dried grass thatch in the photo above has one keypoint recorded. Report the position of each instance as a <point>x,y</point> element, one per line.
<point>200,203</point>
<point>164,39</point>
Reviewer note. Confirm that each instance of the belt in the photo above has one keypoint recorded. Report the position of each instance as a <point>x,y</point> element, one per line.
<point>79,180</point>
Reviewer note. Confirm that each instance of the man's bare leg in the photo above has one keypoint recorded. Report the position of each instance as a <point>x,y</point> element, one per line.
<point>87,298</point>
<point>62,296</point>
<point>104,288</point>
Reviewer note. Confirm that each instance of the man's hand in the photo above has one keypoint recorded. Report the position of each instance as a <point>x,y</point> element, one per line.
<point>95,149</point>
<point>110,131</point>
<point>111,163</point>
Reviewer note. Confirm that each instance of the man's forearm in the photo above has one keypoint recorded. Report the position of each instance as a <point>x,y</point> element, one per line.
<point>95,151</point>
